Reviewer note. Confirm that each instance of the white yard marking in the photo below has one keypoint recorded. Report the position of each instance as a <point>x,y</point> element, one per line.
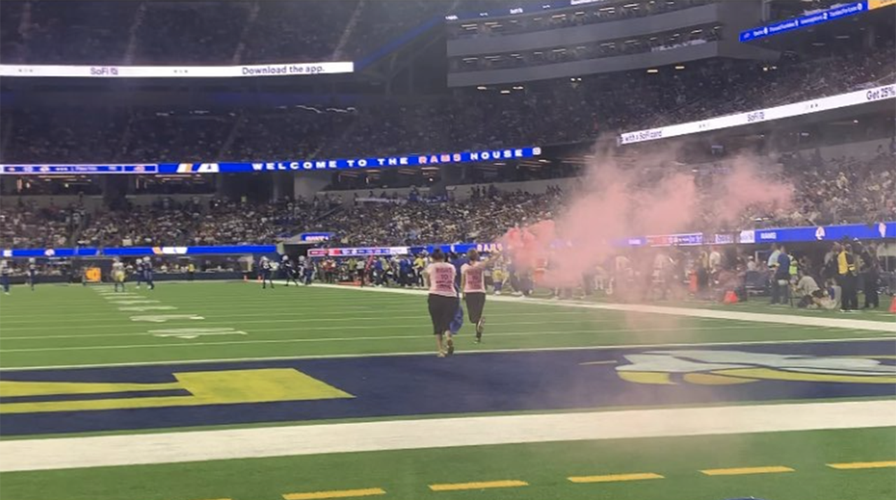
<point>163,318</point>
<point>133,302</point>
<point>147,308</point>
<point>195,446</point>
<point>354,339</point>
<point>192,333</point>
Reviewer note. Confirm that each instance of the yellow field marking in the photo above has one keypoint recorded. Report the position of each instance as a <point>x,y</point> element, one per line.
<point>611,478</point>
<point>206,388</point>
<point>607,362</point>
<point>319,495</point>
<point>477,485</point>
<point>863,465</point>
<point>739,471</point>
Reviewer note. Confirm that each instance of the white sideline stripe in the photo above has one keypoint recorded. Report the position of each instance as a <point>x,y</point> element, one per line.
<point>596,330</point>
<point>195,446</point>
<point>356,339</point>
<point>225,318</point>
<point>180,362</point>
<point>787,319</point>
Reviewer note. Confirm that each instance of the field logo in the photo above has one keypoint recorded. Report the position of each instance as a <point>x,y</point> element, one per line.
<point>713,367</point>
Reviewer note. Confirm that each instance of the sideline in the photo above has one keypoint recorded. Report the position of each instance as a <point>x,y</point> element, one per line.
<point>145,449</point>
<point>786,319</point>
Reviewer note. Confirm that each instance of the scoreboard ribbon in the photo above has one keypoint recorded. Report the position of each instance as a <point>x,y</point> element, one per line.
<point>484,156</point>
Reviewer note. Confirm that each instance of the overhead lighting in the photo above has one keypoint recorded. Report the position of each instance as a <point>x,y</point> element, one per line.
<point>481,87</point>
<point>679,67</point>
<point>653,70</point>
<point>505,91</point>
<point>518,87</point>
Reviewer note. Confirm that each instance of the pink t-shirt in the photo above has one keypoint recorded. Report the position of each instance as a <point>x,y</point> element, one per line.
<point>474,277</point>
<point>441,279</point>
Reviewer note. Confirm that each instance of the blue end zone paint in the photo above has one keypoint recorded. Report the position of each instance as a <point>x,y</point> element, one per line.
<point>95,396</point>
<point>419,385</point>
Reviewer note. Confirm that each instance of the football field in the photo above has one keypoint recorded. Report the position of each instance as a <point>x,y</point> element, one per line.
<point>209,391</point>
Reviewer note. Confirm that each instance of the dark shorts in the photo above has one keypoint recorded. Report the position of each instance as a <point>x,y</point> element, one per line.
<point>475,305</point>
<point>442,310</point>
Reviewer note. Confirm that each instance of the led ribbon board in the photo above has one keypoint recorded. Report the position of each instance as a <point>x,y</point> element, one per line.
<point>258,70</point>
<point>275,166</point>
<point>855,98</point>
<point>812,19</point>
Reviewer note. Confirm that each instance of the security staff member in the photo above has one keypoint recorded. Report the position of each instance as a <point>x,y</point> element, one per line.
<point>847,278</point>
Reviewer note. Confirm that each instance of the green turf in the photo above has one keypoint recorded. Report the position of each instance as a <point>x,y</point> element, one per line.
<point>73,325</point>
<point>545,466</point>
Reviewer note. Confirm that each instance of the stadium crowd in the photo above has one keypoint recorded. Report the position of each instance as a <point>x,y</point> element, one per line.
<point>165,32</point>
<point>840,190</point>
<point>554,113</point>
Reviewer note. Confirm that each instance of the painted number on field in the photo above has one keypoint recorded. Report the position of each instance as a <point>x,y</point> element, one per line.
<point>192,333</point>
<point>163,318</point>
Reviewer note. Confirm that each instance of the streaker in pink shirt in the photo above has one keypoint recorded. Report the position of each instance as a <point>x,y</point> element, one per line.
<point>441,279</point>
<point>474,277</point>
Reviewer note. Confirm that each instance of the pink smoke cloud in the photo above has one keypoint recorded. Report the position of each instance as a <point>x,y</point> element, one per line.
<point>617,202</point>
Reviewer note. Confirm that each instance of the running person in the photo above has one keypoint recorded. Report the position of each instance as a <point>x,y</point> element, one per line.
<point>118,274</point>
<point>473,285</point>
<point>147,273</point>
<point>291,272</point>
<point>266,273</point>
<point>32,273</point>
<point>4,276</point>
<point>442,301</point>
<point>138,268</point>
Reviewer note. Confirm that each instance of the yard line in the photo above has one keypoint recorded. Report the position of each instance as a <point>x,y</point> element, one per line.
<point>478,485</point>
<point>197,446</point>
<point>463,353</point>
<point>350,339</point>
<point>324,495</point>
<point>863,465</point>
<point>340,318</point>
<point>742,471</point>
<point>298,327</point>
<point>612,478</point>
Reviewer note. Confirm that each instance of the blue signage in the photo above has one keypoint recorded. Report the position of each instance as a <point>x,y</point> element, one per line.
<point>137,251</point>
<point>275,166</point>
<point>875,231</point>
<point>315,237</point>
<point>801,22</point>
